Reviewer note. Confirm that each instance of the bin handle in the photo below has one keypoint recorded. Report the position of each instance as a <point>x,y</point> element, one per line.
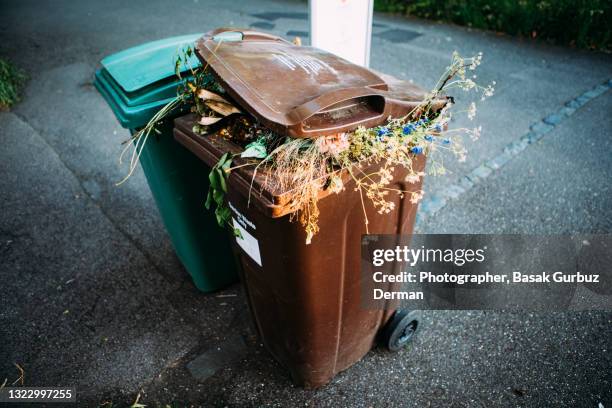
<point>320,103</point>
<point>242,35</point>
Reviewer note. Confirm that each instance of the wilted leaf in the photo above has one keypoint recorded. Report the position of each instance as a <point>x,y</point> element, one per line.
<point>222,108</point>
<point>208,120</point>
<point>177,67</point>
<point>206,95</point>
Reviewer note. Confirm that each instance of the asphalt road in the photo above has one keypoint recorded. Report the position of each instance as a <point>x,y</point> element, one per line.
<point>93,296</point>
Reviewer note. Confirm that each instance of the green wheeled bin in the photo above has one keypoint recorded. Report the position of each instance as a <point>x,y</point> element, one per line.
<point>137,83</point>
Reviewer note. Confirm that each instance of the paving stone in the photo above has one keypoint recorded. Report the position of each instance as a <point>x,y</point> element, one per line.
<point>481,172</point>
<point>499,161</point>
<point>532,137</point>
<point>453,191</point>
<point>566,111</point>
<point>553,119</point>
<point>541,127</point>
<point>601,89</point>
<point>597,91</point>
<point>582,99</point>
<point>516,147</point>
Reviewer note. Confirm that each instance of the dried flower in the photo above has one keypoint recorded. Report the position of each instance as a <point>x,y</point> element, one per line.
<point>334,144</point>
<point>472,111</point>
<point>413,178</point>
<point>416,197</point>
<point>475,133</point>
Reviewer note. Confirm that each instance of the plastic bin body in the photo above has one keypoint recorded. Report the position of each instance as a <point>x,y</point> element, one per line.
<point>136,83</point>
<point>306,299</point>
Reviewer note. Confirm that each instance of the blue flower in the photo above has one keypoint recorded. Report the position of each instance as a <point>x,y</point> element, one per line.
<point>429,138</point>
<point>446,141</point>
<point>417,150</point>
<point>438,127</point>
<point>408,129</point>
<point>383,131</point>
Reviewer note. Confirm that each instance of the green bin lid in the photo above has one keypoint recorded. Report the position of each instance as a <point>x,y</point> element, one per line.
<point>143,65</point>
<point>131,117</point>
<point>139,81</point>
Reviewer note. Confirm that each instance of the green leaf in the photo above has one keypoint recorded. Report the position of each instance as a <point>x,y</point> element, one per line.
<point>223,214</point>
<point>209,199</point>
<point>218,189</point>
<point>213,177</point>
<point>218,196</point>
<point>222,182</point>
<point>220,220</point>
<point>222,160</point>
<point>237,233</point>
<point>226,165</point>
<point>255,150</point>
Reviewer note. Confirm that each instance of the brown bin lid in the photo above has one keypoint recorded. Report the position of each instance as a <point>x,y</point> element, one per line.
<point>301,91</point>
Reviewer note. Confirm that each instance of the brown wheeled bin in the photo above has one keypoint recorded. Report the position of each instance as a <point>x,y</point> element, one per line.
<point>305,299</point>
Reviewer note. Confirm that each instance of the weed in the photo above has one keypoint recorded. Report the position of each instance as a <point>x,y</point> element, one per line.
<point>12,80</point>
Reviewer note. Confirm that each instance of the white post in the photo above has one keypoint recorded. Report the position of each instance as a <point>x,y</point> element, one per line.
<point>342,27</point>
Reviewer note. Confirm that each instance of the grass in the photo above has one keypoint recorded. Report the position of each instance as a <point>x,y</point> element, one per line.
<point>12,80</point>
<point>579,23</point>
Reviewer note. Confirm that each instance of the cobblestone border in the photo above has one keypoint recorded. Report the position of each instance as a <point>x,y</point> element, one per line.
<point>433,203</point>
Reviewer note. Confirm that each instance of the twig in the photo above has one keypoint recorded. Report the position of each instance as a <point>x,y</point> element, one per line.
<point>21,378</point>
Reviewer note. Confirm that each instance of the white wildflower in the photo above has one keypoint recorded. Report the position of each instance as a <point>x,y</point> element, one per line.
<point>475,133</point>
<point>488,91</point>
<point>476,61</point>
<point>467,84</point>
<point>472,111</point>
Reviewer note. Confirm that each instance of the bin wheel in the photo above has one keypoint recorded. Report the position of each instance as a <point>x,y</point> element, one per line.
<point>400,329</point>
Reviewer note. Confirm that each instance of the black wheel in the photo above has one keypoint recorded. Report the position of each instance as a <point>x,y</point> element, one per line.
<point>400,329</point>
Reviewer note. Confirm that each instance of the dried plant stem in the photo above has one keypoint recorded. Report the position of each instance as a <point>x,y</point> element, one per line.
<point>135,143</point>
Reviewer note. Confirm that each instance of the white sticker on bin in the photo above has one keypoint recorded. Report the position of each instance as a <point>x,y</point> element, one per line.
<point>248,243</point>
